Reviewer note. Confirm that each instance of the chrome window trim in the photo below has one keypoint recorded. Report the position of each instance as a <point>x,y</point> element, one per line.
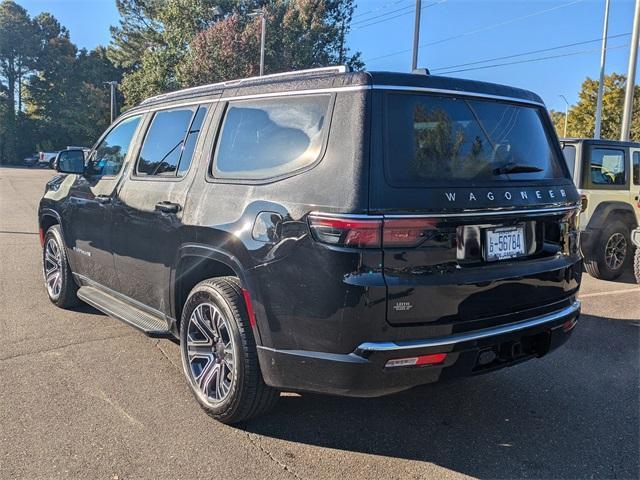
<point>566,312</point>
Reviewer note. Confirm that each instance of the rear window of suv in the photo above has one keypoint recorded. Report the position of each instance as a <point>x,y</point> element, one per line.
<point>432,139</point>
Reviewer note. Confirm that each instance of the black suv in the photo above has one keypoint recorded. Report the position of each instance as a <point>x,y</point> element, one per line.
<point>350,233</point>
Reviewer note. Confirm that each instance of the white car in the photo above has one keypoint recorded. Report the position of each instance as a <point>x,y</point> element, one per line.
<point>46,159</point>
<point>607,174</point>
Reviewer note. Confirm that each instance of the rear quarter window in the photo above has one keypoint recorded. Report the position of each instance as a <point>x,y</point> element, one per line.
<point>432,139</point>
<point>267,138</point>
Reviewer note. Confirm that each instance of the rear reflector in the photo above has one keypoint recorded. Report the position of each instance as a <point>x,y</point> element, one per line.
<point>569,325</point>
<point>250,312</point>
<point>371,232</point>
<point>433,359</point>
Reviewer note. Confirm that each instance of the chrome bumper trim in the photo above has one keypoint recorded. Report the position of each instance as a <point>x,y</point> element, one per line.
<point>569,311</point>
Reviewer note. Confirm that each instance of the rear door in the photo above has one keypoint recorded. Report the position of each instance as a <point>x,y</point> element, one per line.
<point>635,181</point>
<point>149,207</point>
<point>478,206</point>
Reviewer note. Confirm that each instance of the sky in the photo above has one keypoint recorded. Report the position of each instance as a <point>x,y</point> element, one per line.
<point>453,32</point>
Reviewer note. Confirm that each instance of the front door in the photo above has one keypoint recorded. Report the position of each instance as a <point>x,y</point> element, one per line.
<point>89,209</point>
<point>150,203</point>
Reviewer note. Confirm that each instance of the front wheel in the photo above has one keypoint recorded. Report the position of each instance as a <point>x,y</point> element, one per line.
<point>61,287</point>
<point>612,253</point>
<point>219,354</point>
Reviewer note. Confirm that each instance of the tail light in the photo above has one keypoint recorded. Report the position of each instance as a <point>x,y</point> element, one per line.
<point>373,232</point>
<point>422,360</point>
<point>41,156</point>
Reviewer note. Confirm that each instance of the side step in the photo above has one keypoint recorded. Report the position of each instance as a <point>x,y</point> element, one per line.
<point>149,324</point>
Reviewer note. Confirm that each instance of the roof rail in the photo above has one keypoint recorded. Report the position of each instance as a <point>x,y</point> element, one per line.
<point>334,69</point>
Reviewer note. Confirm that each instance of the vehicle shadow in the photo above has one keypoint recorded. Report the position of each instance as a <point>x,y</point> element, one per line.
<point>573,414</point>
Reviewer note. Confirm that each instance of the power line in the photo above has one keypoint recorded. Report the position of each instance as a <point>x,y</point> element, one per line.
<point>358,25</point>
<point>478,30</point>
<point>377,9</point>
<point>530,52</point>
<point>539,59</point>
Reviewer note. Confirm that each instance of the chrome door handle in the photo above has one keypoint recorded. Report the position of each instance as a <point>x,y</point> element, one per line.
<point>167,207</point>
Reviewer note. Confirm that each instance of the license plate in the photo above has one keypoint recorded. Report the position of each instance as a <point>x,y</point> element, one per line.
<point>503,243</point>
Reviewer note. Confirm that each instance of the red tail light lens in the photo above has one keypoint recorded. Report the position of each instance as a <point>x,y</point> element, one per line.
<point>370,233</point>
<point>346,232</point>
<point>409,232</point>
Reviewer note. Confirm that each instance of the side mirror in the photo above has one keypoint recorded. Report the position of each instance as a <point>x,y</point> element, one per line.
<point>70,161</point>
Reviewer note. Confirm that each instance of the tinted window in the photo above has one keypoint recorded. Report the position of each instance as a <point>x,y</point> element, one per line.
<point>190,142</point>
<point>266,138</point>
<point>437,139</point>
<point>607,167</point>
<point>570,157</point>
<point>109,155</point>
<point>636,168</point>
<point>163,144</point>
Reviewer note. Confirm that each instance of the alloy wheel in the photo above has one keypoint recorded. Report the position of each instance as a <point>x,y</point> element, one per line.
<point>210,352</point>
<point>53,268</point>
<point>615,251</point>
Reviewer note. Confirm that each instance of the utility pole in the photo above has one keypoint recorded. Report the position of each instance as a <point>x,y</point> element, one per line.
<point>113,85</point>
<point>603,55</point>
<point>566,115</point>
<point>416,35</point>
<point>631,76</point>
<point>263,35</point>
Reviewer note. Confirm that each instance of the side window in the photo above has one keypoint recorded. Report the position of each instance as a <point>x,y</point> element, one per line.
<point>570,157</point>
<point>266,138</point>
<point>607,167</point>
<point>168,145</point>
<point>636,168</point>
<point>109,155</point>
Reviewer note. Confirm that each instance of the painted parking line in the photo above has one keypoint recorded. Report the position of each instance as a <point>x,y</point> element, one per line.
<point>611,292</point>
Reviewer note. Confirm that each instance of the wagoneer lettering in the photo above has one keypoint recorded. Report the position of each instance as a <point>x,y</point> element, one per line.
<point>349,233</point>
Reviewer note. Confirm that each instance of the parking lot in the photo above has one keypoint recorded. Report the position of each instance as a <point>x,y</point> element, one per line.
<point>84,396</point>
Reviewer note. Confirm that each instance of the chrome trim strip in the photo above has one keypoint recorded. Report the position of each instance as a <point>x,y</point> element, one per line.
<point>456,92</point>
<point>368,347</point>
<point>474,213</point>
<point>490,213</point>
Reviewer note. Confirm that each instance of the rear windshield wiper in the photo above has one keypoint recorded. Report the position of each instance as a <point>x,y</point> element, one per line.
<point>515,168</point>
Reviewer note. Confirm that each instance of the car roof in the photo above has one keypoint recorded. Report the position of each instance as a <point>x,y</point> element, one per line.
<point>341,77</point>
<point>601,141</point>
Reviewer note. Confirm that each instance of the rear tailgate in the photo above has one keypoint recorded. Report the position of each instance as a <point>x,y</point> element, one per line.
<point>480,213</point>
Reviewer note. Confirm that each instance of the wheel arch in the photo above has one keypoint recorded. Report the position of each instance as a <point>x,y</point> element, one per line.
<point>197,262</point>
<point>606,210</point>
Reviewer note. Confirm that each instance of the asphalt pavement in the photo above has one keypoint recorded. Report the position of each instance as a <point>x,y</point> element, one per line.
<point>84,396</point>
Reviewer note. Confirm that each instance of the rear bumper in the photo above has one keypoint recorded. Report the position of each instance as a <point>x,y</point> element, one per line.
<point>362,373</point>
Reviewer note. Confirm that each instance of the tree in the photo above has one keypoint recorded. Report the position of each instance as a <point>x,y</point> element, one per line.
<point>18,50</point>
<point>581,121</point>
<point>190,42</point>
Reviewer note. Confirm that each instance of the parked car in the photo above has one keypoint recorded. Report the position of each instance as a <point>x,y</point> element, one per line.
<point>31,160</point>
<point>349,233</point>
<point>607,174</point>
<point>46,159</point>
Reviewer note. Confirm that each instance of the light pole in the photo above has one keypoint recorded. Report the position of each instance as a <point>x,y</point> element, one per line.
<point>416,35</point>
<point>566,115</point>
<point>263,33</point>
<point>113,85</point>
<point>603,56</point>
<point>631,76</point>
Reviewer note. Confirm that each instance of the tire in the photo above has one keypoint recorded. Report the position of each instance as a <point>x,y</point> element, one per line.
<point>636,265</point>
<point>229,388</point>
<point>601,264</point>
<point>58,279</point>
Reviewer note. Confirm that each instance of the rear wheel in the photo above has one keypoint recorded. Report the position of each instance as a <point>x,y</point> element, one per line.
<point>636,265</point>
<point>612,253</point>
<point>219,354</point>
<point>61,287</point>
